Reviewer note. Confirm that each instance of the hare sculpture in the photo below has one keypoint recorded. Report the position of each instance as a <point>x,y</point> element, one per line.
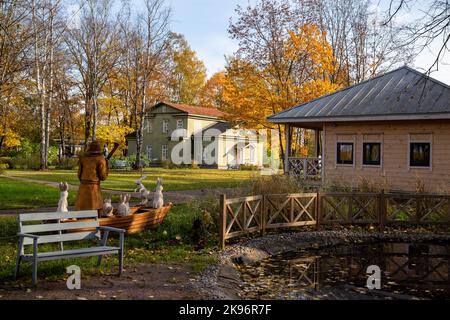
<point>107,209</point>
<point>158,199</point>
<point>144,193</point>
<point>62,204</point>
<point>124,206</point>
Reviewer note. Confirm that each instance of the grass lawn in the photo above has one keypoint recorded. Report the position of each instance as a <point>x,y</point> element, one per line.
<point>170,242</point>
<point>173,179</point>
<point>19,195</point>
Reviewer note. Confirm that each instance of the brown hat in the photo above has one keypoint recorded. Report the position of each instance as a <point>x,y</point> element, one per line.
<point>94,148</point>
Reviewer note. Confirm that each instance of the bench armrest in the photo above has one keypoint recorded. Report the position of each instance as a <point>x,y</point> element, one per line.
<point>111,229</point>
<point>26,235</point>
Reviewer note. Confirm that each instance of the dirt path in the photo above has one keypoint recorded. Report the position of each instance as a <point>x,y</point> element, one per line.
<point>142,282</point>
<point>176,197</point>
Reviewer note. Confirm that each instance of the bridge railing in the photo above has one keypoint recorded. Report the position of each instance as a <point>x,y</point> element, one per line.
<point>247,215</point>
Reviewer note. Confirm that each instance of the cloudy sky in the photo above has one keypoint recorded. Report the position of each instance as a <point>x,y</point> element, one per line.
<point>204,24</point>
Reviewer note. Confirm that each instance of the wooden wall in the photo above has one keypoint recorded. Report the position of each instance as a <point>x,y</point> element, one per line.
<point>394,172</point>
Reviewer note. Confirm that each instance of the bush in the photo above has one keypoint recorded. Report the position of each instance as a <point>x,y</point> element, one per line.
<point>248,167</point>
<point>277,184</point>
<point>206,220</point>
<point>67,164</point>
<point>25,162</point>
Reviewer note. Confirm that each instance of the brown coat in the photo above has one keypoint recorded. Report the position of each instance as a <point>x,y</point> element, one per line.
<point>91,170</point>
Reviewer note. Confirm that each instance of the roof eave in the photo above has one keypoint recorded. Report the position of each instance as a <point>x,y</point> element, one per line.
<point>400,117</point>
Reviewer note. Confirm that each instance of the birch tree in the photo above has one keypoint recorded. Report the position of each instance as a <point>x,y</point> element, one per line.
<point>93,47</point>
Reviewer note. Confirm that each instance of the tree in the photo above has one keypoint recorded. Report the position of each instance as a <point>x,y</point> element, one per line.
<point>145,63</point>
<point>94,49</point>
<point>432,25</point>
<point>15,46</point>
<point>276,62</point>
<point>362,45</point>
<point>188,72</point>
<point>212,92</point>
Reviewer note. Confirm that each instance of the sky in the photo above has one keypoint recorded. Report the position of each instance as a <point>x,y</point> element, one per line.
<point>204,23</point>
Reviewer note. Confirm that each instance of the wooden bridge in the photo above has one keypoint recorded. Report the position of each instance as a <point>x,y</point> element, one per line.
<point>253,214</point>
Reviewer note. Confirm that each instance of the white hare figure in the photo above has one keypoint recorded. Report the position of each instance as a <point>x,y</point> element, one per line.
<point>124,206</point>
<point>158,199</point>
<point>144,193</point>
<point>62,204</point>
<point>107,208</point>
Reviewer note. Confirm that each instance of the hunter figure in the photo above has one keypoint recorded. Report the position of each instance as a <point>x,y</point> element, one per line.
<point>92,168</point>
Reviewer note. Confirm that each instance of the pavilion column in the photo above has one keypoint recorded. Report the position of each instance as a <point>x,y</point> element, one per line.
<point>287,148</point>
<point>317,143</point>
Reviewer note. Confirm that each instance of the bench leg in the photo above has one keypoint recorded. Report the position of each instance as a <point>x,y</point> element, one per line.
<point>35,263</point>
<point>19,258</point>
<point>120,262</point>
<point>16,270</point>
<point>121,244</point>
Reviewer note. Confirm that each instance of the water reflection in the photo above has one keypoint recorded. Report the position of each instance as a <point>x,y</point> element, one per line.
<point>408,270</point>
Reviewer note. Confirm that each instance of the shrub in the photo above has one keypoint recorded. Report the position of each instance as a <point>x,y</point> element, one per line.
<point>277,184</point>
<point>67,164</point>
<point>206,219</point>
<point>248,167</point>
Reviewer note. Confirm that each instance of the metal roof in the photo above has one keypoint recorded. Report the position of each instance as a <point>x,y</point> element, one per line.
<point>401,94</point>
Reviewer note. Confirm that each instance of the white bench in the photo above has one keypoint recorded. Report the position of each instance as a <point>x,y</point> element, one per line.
<point>40,228</point>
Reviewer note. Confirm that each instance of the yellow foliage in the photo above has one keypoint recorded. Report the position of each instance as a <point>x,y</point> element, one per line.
<point>113,133</point>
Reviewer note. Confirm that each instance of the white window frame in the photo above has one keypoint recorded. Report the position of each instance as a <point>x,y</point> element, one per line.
<point>164,152</point>
<point>180,124</point>
<point>149,152</point>
<point>165,126</point>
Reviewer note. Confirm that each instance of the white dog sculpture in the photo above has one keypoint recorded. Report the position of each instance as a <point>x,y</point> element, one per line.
<point>158,199</point>
<point>124,206</point>
<point>144,193</point>
<point>62,204</point>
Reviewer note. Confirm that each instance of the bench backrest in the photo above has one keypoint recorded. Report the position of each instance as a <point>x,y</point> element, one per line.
<point>49,228</point>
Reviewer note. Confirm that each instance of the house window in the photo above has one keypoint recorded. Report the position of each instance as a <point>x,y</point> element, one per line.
<point>164,152</point>
<point>149,126</point>
<point>165,126</point>
<point>179,124</point>
<point>149,152</point>
<point>420,154</point>
<point>371,154</point>
<point>344,153</point>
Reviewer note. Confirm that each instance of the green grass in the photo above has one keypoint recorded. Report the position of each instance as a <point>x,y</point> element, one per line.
<point>170,242</point>
<point>173,179</point>
<point>20,194</point>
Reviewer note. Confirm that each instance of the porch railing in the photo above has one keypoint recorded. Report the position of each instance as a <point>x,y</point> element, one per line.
<point>306,168</point>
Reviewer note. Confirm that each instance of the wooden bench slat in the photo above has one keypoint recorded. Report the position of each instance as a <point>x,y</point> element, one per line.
<point>36,228</point>
<point>64,237</point>
<point>82,252</point>
<point>57,215</point>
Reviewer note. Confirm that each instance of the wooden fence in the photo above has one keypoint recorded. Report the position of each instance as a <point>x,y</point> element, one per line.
<point>246,215</point>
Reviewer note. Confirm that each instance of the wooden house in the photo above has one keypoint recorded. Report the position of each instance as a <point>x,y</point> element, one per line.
<point>392,130</point>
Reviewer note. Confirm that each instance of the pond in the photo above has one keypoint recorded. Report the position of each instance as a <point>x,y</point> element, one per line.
<point>408,271</point>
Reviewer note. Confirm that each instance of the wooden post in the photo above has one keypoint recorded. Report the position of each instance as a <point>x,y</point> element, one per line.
<point>419,201</point>
<point>316,143</point>
<point>223,221</point>
<point>318,211</point>
<point>305,168</point>
<point>350,208</point>
<point>381,211</point>
<point>263,216</point>
<point>287,148</point>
